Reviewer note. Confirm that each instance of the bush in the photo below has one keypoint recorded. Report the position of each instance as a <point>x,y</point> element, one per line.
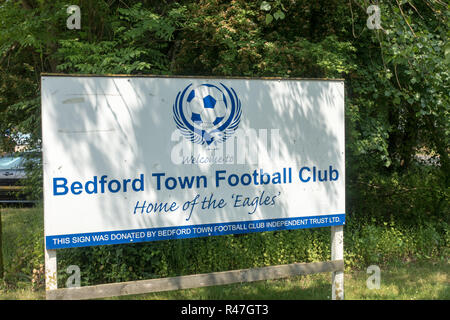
<point>366,242</point>
<point>415,197</point>
<point>381,243</point>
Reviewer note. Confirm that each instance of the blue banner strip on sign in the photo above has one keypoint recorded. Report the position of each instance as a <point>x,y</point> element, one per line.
<point>193,231</point>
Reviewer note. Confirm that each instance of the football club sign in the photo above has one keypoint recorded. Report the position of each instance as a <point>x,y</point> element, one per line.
<point>136,159</point>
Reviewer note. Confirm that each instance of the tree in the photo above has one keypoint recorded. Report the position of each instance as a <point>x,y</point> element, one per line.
<point>396,77</point>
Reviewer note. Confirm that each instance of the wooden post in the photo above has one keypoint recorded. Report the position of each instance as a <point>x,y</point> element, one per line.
<point>337,253</point>
<point>51,282</point>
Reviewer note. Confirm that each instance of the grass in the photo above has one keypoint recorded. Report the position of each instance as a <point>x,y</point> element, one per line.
<point>23,252</point>
<point>412,281</point>
<point>18,225</point>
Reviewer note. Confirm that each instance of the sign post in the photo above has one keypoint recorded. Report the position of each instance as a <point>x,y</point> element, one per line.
<point>130,159</point>
<point>337,253</point>
<point>51,270</point>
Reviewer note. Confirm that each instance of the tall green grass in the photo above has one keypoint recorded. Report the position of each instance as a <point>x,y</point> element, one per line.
<point>23,247</point>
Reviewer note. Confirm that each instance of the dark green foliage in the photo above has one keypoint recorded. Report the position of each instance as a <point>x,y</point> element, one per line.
<point>367,242</point>
<point>397,79</point>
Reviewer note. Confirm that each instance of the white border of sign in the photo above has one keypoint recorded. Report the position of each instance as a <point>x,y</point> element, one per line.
<point>336,265</point>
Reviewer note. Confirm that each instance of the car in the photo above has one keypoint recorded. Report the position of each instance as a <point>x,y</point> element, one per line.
<point>12,175</point>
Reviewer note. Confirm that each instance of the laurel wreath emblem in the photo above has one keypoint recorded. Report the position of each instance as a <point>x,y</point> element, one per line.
<point>216,134</point>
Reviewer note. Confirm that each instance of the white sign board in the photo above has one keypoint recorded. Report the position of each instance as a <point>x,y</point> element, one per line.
<point>134,159</point>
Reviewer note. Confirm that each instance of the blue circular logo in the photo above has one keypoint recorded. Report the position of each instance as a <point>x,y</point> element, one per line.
<point>207,113</point>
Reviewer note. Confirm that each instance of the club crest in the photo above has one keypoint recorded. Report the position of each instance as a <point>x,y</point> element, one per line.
<point>207,114</point>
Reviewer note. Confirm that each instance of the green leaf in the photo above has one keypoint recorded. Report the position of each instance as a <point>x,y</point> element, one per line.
<point>279,15</point>
<point>447,53</point>
<point>269,18</point>
<point>265,6</point>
